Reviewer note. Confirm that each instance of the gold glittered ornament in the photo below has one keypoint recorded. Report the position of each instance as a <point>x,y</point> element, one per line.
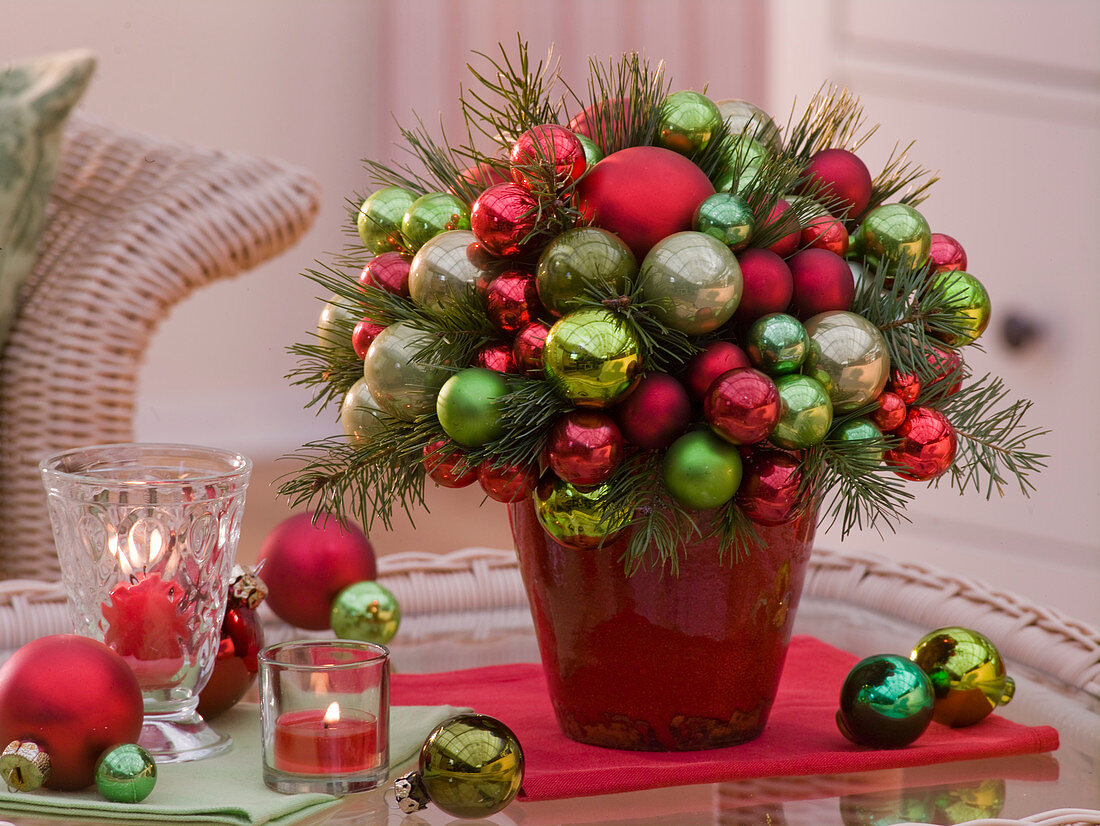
<point>591,357</point>
<point>848,355</point>
<point>580,518</point>
<point>967,673</point>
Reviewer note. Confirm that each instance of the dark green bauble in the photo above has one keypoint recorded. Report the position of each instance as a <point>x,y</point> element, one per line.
<point>380,216</point>
<point>468,406</point>
<point>886,702</point>
<point>805,414</point>
<point>866,432</point>
<point>591,357</point>
<point>432,214</point>
<point>701,470</point>
<point>578,259</point>
<point>365,611</point>
<point>777,344</point>
<point>726,217</point>
<point>125,773</point>
<point>687,122</point>
<point>895,234</point>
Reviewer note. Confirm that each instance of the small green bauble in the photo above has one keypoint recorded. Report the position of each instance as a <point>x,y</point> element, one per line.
<point>805,414</point>
<point>702,470</point>
<point>431,214</point>
<point>744,159</point>
<point>580,258</point>
<point>848,355</point>
<point>688,119</point>
<point>694,281</point>
<point>402,385</point>
<point>895,234</point>
<point>441,272</point>
<point>969,303</point>
<point>359,414</point>
<point>740,113</point>
<point>726,217</point>
<point>592,152</point>
<point>591,358</point>
<point>886,702</point>
<point>125,774</point>
<point>865,431</point>
<point>468,406</point>
<point>365,611</point>
<point>335,323</point>
<point>380,216</point>
<point>777,344</point>
<point>471,766</point>
<point>577,517</point>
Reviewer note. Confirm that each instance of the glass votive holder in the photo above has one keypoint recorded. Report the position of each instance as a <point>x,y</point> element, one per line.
<point>325,714</point>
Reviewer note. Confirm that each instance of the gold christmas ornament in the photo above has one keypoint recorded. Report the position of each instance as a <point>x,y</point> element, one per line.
<point>848,355</point>
<point>695,281</point>
<point>967,673</point>
<point>441,271</point>
<point>591,357</point>
<point>581,518</point>
<point>402,386</point>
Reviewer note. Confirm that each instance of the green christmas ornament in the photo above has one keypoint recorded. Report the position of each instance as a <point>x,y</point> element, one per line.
<point>432,214</point>
<point>402,385</point>
<point>442,273</point>
<point>702,470</point>
<point>967,673</point>
<point>969,303</point>
<point>805,415</point>
<point>777,344</point>
<point>848,355</point>
<point>739,114</point>
<point>468,406</point>
<point>687,121</point>
<point>125,774</point>
<point>865,431</point>
<point>359,414</point>
<point>743,159</point>
<point>335,323</point>
<point>694,280</point>
<point>365,611</point>
<point>580,258</point>
<point>580,518</point>
<point>592,152</point>
<point>380,216</point>
<point>591,357</point>
<point>895,234</point>
<point>726,217</point>
<point>886,702</point>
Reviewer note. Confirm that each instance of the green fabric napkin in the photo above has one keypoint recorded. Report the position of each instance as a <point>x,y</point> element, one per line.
<point>228,788</point>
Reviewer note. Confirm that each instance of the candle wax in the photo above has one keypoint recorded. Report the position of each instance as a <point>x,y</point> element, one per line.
<point>146,624</point>
<point>306,744</point>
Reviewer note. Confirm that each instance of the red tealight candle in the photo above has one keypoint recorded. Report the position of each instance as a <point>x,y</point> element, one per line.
<point>335,741</point>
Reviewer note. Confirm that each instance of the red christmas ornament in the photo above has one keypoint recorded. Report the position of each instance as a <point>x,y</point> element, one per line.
<point>388,271</point>
<point>945,253</point>
<point>75,698</point>
<point>769,487</point>
<point>743,406</point>
<point>703,368</point>
<point>528,347</point>
<point>496,356</point>
<point>927,448</point>
<point>655,413</point>
<point>788,244</point>
<point>507,483</point>
<point>584,447</point>
<point>484,175</point>
<point>643,194</point>
<point>825,233</point>
<point>502,217</point>
<point>822,281</point>
<point>448,468</point>
<point>596,121</point>
<point>841,177</point>
<point>242,637</point>
<point>544,148</point>
<point>146,619</point>
<point>365,332</point>
<point>945,362</point>
<point>891,412</point>
<point>512,300</point>
<point>307,565</point>
<point>768,285</point>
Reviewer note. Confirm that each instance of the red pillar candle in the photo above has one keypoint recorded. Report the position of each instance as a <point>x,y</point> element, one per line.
<point>335,741</point>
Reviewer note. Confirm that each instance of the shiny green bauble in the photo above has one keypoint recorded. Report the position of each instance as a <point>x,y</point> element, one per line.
<point>969,303</point>
<point>739,114</point>
<point>360,414</point>
<point>693,280</point>
<point>402,385</point>
<point>885,702</point>
<point>592,152</point>
<point>591,358</point>
<point>432,214</point>
<point>726,217</point>
<point>578,517</point>
<point>743,160</point>
<point>895,234</point>
<point>125,773</point>
<point>867,434</point>
<point>380,216</point>
<point>848,355</point>
<point>365,611</point>
<point>777,344</point>
<point>967,673</point>
<point>442,273</point>
<point>336,322</point>
<point>471,766</point>
<point>702,470</point>
<point>468,406</point>
<point>578,259</point>
<point>687,122</point>
<point>805,414</point>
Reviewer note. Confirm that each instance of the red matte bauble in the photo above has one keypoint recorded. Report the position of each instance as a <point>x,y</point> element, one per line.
<point>599,121</point>
<point>75,698</point>
<point>743,406</point>
<point>906,385</point>
<point>237,662</point>
<point>655,413</point>
<point>502,218</point>
<point>839,176</point>
<point>704,367</point>
<point>928,445</point>
<point>528,347</point>
<point>307,565</point>
<point>364,334</point>
<point>891,412</point>
<point>387,271</point>
<point>643,194</point>
<point>512,300</point>
<point>448,468</point>
<point>769,492</point>
<point>767,284</point>
<point>822,281</point>
<point>496,356</point>
<point>787,244</point>
<point>945,253</point>
<point>584,447</point>
<point>825,233</point>
<point>507,483</point>
<point>547,154</point>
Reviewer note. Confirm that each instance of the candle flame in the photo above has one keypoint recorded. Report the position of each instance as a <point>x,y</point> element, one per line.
<point>332,714</point>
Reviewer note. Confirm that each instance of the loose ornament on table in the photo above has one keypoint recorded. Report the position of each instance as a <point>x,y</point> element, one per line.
<point>126,774</point>
<point>367,612</point>
<point>967,673</point>
<point>886,702</point>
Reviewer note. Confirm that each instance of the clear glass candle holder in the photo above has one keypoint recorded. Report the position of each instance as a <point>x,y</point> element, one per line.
<point>325,713</point>
<point>146,535</point>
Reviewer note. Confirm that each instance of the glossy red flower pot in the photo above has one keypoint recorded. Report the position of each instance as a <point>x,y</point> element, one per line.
<point>662,662</point>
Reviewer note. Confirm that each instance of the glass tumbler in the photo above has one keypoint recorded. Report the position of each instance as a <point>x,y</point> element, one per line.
<point>146,535</point>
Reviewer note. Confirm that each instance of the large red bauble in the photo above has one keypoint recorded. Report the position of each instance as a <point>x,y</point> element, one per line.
<point>822,281</point>
<point>945,253</point>
<point>928,445</point>
<point>75,698</point>
<point>584,447</point>
<point>825,233</point>
<point>529,346</point>
<point>364,334</point>
<point>507,483</point>
<point>767,284</point>
<point>512,300</point>
<point>655,413</point>
<point>643,194</point>
<point>547,147</point>
<point>242,636</point>
<point>387,271</point>
<point>788,243</point>
<point>841,177</point>
<point>307,565</point>
<point>891,412</point>
<point>769,487</point>
<point>448,468</point>
<point>743,406</point>
<point>502,217</point>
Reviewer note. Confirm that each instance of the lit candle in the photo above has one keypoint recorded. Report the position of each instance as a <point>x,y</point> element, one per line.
<point>334,741</point>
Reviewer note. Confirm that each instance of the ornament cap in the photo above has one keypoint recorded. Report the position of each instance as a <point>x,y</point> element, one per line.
<point>24,765</point>
<point>1008,693</point>
<point>410,793</point>
<point>246,587</point>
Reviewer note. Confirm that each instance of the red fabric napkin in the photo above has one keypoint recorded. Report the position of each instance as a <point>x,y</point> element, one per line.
<point>801,736</point>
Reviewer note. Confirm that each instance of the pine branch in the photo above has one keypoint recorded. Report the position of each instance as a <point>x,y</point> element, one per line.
<point>526,413</point>
<point>737,534</point>
<point>833,120</point>
<point>630,81</point>
<point>900,174</point>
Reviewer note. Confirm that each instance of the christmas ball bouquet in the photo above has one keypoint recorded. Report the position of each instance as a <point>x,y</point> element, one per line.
<point>672,337</point>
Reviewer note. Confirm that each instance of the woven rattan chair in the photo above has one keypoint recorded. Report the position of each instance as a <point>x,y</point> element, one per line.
<point>134,224</point>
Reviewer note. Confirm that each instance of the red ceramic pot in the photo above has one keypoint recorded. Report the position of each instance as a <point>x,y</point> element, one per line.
<point>662,663</point>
